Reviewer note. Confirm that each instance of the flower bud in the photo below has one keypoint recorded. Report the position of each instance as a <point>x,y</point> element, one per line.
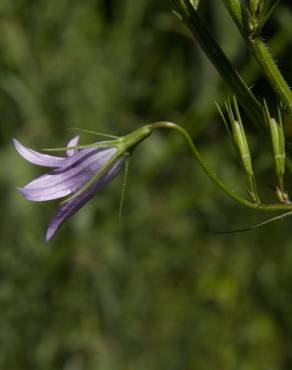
<point>241,145</point>
<point>278,142</point>
<point>239,137</point>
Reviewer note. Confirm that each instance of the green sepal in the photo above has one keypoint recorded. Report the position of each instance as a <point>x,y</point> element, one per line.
<point>125,145</point>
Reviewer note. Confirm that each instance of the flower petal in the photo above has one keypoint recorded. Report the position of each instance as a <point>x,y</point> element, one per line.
<point>73,142</point>
<point>71,207</point>
<point>36,157</point>
<point>76,171</point>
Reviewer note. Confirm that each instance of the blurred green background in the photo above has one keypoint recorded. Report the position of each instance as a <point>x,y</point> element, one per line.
<point>158,290</point>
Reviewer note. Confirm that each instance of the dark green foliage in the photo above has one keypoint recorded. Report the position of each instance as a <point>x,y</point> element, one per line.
<point>158,290</point>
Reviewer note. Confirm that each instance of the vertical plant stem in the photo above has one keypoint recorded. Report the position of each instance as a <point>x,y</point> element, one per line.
<point>261,52</point>
<point>220,61</point>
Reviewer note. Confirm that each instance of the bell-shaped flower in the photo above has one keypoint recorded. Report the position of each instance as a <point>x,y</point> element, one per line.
<point>80,175</point>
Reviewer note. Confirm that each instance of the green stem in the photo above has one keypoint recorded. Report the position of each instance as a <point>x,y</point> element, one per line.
<point>273,74</point>
<point>123,191</point>
<point>212,176</point>
<point>220,61</point>
<point>260,52</point>
<point>276,218</point>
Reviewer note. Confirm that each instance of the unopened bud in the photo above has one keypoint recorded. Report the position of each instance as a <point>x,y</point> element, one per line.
<point>242,146</point>
<point>278,142</point>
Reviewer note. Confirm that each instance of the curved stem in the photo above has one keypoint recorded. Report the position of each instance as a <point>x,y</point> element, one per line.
<point>212,176</point>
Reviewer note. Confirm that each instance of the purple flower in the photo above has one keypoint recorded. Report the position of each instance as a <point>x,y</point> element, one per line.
<point>73,175</point>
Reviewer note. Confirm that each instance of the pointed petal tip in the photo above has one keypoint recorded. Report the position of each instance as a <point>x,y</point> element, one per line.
<point>35,157</point>
<point>22,192</point>
<point>43,194</point>
<point>68,209</point>
<point>48,236</point>
<point>25,194</point>
<point>51,231</point>
<point>73,142</point>
<point>16,144</point>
